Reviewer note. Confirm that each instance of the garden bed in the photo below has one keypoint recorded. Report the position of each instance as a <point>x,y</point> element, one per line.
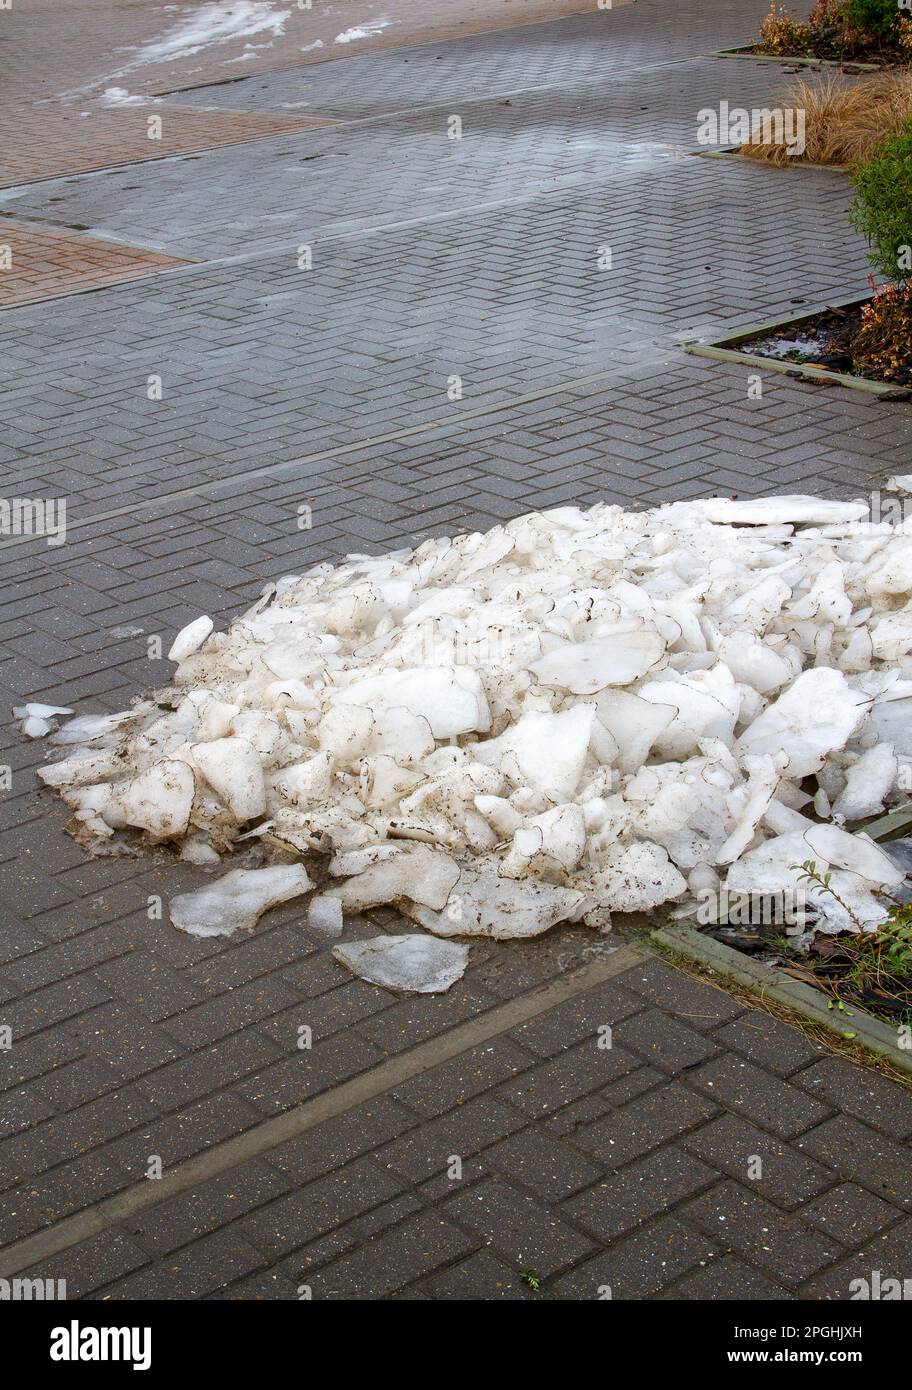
<point>774,985</point>
<point>815,345</point>
<point>850,65</point>
<point>858,35</point>
<point>862,968</point>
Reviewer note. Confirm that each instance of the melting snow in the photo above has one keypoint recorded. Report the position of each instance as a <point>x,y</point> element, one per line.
<point>211,24</point>
<point>119,96</point>
<point>576,713</point>
<point>37,719</point>
<point>364,31</point>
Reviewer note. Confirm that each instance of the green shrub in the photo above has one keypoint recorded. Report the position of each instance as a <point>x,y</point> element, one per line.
<point>880,18</point>
<point>882,209</point>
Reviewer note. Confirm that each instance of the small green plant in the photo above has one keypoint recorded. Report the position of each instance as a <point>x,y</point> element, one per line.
<point>882,209</point>
<point>879,960</point>
<point>530,1279</point>
<point>809,874</point>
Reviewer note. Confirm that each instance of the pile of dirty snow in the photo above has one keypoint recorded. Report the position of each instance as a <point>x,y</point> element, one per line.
<point>576,713</point>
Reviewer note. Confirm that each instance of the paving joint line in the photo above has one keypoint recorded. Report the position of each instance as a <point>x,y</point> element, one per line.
<point>269,1134</point>
<point>340,450</point>
<point>332,123</point>
<point>331,57</point>
<point>340,122</point>
<point>310,235</point>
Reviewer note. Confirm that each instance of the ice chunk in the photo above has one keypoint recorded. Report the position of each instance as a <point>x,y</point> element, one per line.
<point>845,904</point>
<point>855,853</point>
<point>199,851</point>
<point>237,900</point>
<point>754,662</point>
<point>891,635</point>
<point>484,904</point>
<point>451,699</point>
<point>562,832</point>
<point>405,736</point>
<point>637,878</point>
<point>891,570</point>
<point>345,731</point>
<point>190,638</point>
<point>324,915</point>
<point>81,769</point>
<point>764,776</point>
<point>544,751</point>
<point>766,511</point>
<point>586,667</point>
<point>419,964</point>
<point>634,724</point>
<point>159,800</point>
<point>355,861</point>
<point>706,705</point>
<point>89,728</point>
<point>37,719</point>
<point>816,714</point>
<point>868,782</point>
<point>773,864</point>
<point>305,783</point>
<point>35,710</point>
<point>233,769</point>
<point>417,872</point>
<point>890,721</point>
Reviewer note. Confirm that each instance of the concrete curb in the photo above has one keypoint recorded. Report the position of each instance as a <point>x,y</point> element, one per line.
<point>771,983</point>
<point>747,52</point>
<point>734,152</point>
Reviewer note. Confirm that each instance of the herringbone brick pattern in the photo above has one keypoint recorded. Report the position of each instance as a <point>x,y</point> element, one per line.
<point>124,136</point>
<point>510,302</point>
<point>279,385</point>
<point>67,58</point>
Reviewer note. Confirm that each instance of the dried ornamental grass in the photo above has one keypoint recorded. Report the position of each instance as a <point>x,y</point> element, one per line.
<point>844,121</point>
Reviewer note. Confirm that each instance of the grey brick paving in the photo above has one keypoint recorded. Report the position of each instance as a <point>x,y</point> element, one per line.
<point>629,1168</point>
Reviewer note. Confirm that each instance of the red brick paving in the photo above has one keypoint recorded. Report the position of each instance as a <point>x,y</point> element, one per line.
<point>66,56</point>
<point>43,265</point>
<point>120,135</point>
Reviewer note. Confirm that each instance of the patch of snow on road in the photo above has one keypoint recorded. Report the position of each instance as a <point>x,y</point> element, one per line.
<point>576,713</point>
<point>119,96</point>
<point>363,31</point>
<point>212,24</point>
